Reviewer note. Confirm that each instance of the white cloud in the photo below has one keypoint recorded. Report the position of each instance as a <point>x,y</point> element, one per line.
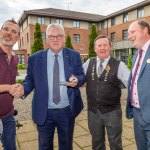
<point>14,8</point>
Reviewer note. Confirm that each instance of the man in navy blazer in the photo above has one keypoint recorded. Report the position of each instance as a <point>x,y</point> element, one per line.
<point>48,114</point>
<point>138,101</point>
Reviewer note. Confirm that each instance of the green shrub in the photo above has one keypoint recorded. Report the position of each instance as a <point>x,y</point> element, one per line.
<point>21,67</point>
<point>19,81</point>
<point>129,64</point>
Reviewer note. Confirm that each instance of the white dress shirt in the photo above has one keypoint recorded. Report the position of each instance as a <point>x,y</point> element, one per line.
<point>123,71</point>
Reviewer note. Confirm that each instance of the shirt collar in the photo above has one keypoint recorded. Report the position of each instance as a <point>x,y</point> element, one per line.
<point>107,59</point>
<point>52,53</point>
<point>2,52</point>
<point>146,45</point>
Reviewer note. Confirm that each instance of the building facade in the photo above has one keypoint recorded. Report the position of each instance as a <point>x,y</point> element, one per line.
<point>77,25</point>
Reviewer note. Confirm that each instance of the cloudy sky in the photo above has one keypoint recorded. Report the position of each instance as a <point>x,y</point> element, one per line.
<point>14,8</point>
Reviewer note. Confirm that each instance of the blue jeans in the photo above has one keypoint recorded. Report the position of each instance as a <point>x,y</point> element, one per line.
<point>9,133</point>
<point>61,119</point>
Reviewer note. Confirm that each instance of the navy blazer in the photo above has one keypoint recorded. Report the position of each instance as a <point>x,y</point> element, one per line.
<point>37,79</point>
<point>143,87</point>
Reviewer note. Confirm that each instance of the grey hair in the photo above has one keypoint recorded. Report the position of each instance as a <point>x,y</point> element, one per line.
<point>55,26</point>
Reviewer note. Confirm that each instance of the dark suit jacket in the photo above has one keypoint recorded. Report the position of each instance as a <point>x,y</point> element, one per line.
<point>37,79</point>
<point>143,87</point>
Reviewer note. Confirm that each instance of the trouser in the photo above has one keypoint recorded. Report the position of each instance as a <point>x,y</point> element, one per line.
<point>112,123</point>
<point>61,119</point>
<point>141,131</point>
<point>9,133</point>
<point>1,129</point>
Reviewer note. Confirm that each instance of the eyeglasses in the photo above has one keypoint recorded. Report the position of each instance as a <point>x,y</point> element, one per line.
<point>52,37</point>
<point>6,29</point>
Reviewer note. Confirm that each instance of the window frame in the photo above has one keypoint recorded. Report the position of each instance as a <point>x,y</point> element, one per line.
<point>76,38</point>
<point>76,24</point>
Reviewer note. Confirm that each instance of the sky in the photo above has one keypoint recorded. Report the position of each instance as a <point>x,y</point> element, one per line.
<point>14,8</point>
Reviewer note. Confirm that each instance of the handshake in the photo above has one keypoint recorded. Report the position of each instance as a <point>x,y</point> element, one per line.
<point>16,90</point>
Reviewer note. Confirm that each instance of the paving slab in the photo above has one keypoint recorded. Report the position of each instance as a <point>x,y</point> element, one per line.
<point>27,136</point>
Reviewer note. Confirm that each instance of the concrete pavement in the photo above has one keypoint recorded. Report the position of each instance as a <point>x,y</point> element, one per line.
<point>27,135</point>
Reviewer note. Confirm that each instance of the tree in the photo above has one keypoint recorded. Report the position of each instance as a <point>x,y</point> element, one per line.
<point>38,41</point>
<point>68,42</point>
<point>129,64</point>
<point>93,35</point>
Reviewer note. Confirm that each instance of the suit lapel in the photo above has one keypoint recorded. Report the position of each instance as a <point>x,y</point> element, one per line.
<point>66,63</point>
<point>147,56</point>
<point>134,59</point>
<point>43,65</point>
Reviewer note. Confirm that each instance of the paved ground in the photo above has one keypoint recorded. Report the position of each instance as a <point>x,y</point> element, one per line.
<point>27,135</point>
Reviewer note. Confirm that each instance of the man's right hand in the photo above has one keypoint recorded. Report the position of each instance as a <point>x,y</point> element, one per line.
<point>16,90</point>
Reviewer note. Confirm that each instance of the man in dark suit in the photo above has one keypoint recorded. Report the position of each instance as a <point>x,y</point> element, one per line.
<point>55,74</point>
<point>138,102</point>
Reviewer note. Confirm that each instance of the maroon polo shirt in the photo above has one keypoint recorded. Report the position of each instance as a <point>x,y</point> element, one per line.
<point>8,72</point>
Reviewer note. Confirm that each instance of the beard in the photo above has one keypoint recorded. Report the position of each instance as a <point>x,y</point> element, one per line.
<point>7,42</point>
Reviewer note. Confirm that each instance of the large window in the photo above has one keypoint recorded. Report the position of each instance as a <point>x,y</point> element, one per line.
<point>113,37</point>
<point>21,58</point>
<point>125,17</point>
<point>140,13</point>
<point>76,24</point>
<point>59,21</point>
<point>112,21</point>
<point>76,38</point>
<point>124,55</point>
<point>90,24</point>
<point>41,20</point>
<point>102,24</point>
<point>125,34</point>
<point>43,36</point>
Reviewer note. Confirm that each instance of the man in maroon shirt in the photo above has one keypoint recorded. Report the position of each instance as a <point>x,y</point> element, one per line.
<point>9,35</point>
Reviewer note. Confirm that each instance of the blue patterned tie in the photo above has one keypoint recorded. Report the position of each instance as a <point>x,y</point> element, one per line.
<point>56,87</point>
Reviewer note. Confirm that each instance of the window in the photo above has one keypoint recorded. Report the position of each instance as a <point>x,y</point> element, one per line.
<point>90,24</point>
<point>43,36</point>
<point>41,20</point>
<point>21,58</point>
<point>76,24</point>
<point>112,21</point>
<point>113,37</point>
<point>125,17</point>
<point>124,55</point>
<point>125,34</point>
<point>22,41</point>
<point>102,24</point>
<point>27,38</point>
<point>59,21</point>
<point>140,13</point>
<point>76,38</point>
